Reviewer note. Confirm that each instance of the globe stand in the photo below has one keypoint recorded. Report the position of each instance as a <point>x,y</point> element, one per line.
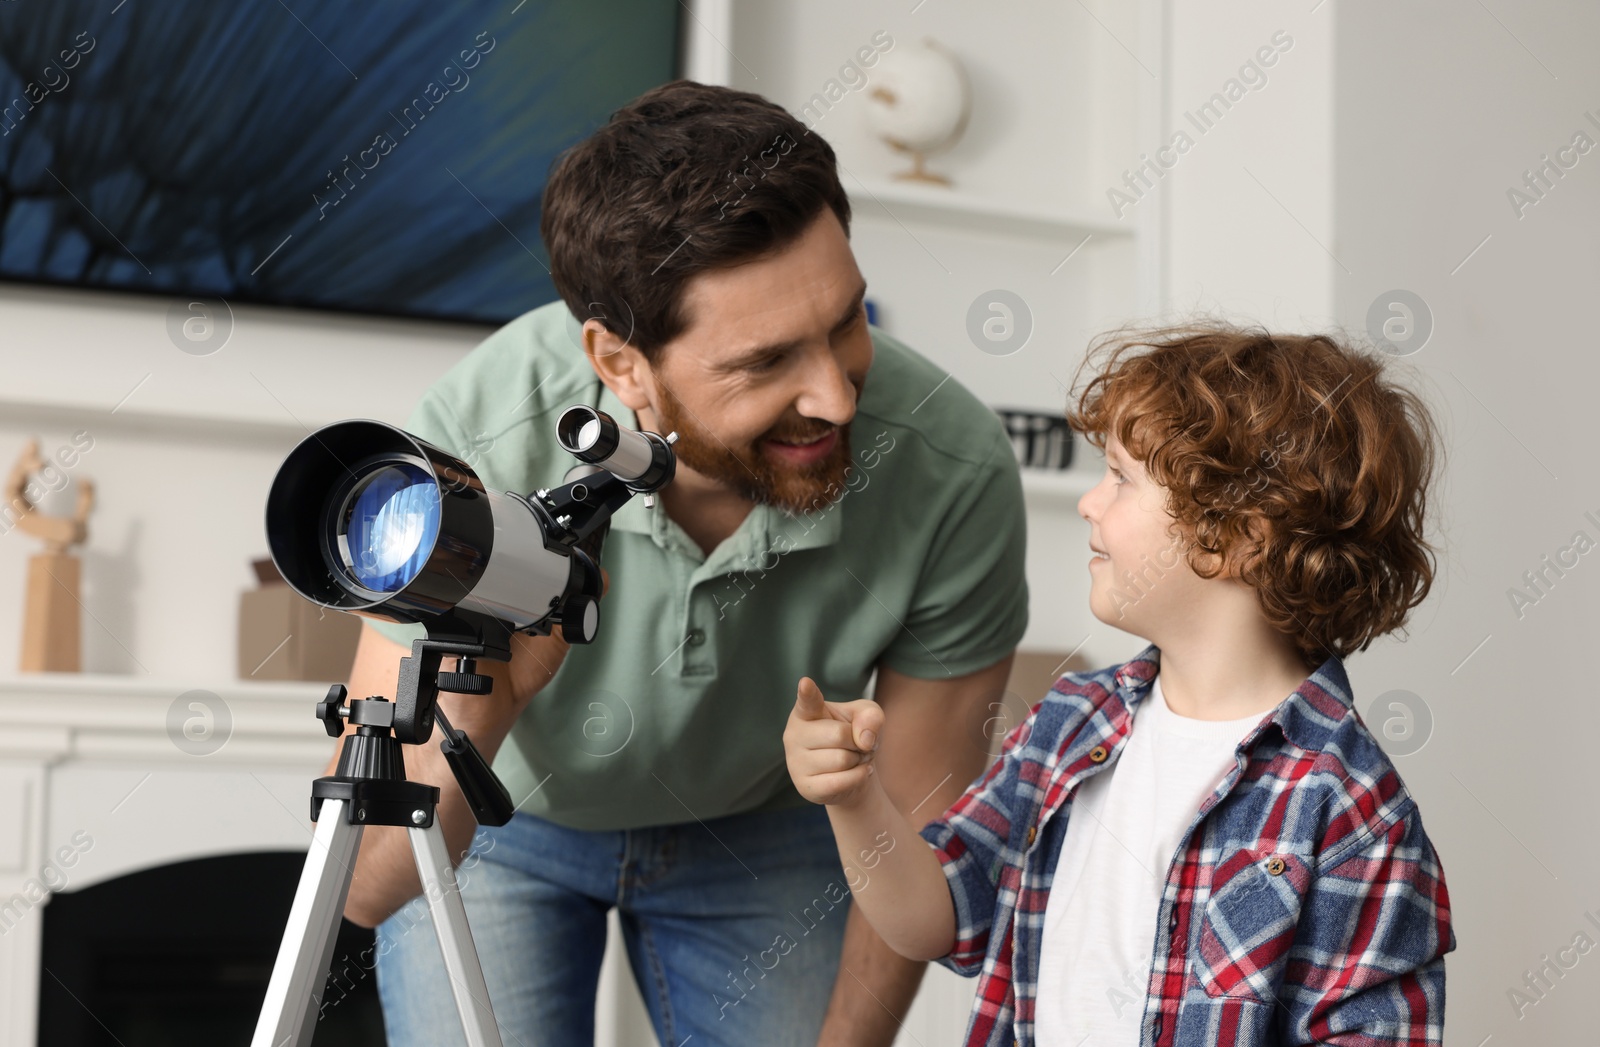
<point>919,171</point>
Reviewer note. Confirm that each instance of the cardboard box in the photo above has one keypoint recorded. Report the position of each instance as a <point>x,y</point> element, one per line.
<point>283,636</point>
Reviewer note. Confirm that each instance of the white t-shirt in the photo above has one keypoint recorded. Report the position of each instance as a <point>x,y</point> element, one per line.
<point>1125,826</point>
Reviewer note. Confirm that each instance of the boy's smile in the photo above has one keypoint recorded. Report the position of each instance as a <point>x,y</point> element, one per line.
<point>1138,574</point>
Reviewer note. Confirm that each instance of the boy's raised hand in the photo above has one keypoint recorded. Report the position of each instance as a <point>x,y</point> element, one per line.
<point>830,745</point>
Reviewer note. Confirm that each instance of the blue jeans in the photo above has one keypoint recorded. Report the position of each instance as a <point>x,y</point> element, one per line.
<point>733,929</point>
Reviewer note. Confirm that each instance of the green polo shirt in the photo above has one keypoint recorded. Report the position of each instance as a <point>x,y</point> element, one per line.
<point>676,712</point>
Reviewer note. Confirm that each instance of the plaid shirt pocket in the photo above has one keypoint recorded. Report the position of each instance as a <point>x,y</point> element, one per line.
<point>1250,922</point>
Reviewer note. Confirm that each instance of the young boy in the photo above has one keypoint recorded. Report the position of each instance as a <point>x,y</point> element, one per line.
<point>1170,851</point>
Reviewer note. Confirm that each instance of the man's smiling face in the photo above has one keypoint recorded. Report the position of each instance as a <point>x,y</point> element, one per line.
<point>762,384</point>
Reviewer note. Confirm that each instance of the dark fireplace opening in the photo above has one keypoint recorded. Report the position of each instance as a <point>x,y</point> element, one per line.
<point>181,955</point>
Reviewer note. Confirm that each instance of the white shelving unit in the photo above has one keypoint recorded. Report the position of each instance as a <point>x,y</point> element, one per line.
<point>966,211</point>
<point>1046,488</point>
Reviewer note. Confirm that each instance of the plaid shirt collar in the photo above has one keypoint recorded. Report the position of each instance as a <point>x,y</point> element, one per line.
<point>1307,718</point>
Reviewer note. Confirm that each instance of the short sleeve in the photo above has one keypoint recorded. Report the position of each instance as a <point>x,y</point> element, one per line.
<point>431,420</point>
<point>970,607</point>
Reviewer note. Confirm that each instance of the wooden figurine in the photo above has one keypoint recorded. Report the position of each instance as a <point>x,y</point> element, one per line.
<point>52,625</point>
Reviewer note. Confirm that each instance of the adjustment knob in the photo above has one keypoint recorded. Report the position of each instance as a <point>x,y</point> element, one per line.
<point>328,711</point>
<point>580,618</point>
<point>465,683</point>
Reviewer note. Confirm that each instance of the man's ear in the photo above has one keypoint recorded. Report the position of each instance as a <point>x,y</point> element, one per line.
<point>620,365</point>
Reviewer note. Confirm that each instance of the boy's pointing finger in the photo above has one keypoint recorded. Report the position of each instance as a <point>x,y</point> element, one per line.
<point>808,703</point>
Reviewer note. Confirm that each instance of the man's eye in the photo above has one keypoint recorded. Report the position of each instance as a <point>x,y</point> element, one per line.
<point>767,363</point>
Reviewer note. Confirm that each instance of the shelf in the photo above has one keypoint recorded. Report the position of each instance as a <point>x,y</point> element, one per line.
<point>92,716</point>
<point>1048,487</point>
<point>968,212</point>
<point>240,424</point>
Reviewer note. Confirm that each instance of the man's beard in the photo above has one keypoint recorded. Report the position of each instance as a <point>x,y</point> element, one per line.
<point>754,474</point>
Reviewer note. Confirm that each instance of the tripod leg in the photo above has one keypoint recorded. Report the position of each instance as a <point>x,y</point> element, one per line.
<point>300,974</point>
<point>438,878</point>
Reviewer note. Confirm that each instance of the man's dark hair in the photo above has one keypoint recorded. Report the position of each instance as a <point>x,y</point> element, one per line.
<point>685,178</point>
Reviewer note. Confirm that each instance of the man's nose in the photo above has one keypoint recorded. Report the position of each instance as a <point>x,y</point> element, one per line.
<point>829,394</point>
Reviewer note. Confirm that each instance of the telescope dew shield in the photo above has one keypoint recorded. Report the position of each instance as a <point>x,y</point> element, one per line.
<point>364,517</point>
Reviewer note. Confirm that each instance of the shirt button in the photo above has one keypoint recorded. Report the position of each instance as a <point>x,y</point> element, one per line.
<point>1275,866</point>
<point>1098,754</point>
<point>1155,1030</point>
<point>1172,924</point>
<point>697,637</point>
<point>1032,834</point>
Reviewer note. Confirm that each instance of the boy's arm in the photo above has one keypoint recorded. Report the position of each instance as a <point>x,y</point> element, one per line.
<point>830,748</point>
<point>1380,919</point>
<point>830,763</point>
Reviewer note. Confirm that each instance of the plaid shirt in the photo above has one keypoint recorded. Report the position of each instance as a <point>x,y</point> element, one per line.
<point>1304,905</point>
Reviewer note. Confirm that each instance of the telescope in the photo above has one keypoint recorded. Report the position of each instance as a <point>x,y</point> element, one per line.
<point>366,518</point>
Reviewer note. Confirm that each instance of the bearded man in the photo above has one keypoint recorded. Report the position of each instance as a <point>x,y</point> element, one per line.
<point>842,510</point>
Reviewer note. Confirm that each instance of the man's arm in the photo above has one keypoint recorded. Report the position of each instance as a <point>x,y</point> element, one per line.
<point>385,876</point>
<point>931,751</point>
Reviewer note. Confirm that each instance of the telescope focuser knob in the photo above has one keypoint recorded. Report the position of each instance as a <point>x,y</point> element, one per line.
<point>466,679</point>
<point>328,710</point>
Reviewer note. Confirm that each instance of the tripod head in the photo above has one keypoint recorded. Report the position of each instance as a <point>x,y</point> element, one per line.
<point>372,754</point>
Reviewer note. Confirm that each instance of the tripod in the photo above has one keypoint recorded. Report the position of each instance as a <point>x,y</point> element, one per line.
<point>369,787</point>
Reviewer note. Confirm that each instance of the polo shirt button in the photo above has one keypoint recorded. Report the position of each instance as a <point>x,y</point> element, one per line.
<point>1275,866</point>
<point>1032,834</point>
<point>697,637</point>
<point>1098,754</point>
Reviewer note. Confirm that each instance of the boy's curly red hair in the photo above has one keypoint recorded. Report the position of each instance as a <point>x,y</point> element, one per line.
<point>1287,455</point>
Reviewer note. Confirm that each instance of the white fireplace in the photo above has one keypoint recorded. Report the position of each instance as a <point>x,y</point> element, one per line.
<point>93,786</point>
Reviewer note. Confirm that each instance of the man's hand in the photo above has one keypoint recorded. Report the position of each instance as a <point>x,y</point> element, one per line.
<point>830,746</point>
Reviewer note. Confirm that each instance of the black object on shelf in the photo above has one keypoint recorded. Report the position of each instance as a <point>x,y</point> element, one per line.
<point>1041,440</point>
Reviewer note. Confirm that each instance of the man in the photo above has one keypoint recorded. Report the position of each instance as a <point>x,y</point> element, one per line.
<point>840,508</point>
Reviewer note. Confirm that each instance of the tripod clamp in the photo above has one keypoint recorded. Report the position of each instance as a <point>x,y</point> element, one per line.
<point>370,775</point>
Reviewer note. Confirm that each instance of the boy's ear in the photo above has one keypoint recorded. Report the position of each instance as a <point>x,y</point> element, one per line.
<point>619,364</point>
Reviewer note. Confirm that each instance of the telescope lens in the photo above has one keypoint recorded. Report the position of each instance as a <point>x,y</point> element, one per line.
<point>389,527</point>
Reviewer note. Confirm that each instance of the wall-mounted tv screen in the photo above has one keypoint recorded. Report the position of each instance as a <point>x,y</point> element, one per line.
<point>378,158</point>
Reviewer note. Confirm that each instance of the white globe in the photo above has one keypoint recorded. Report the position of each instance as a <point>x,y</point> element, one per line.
<point>919,97</point>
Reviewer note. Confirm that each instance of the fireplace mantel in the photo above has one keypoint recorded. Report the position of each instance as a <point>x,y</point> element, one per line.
<point>96,782</point>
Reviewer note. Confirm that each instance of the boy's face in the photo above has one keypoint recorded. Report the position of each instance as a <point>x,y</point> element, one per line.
<point>1144,585</point>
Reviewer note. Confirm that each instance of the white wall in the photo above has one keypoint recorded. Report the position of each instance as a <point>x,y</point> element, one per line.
<point>184,450</point>
<point>1250,205</point>
<point>1441,108</point>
